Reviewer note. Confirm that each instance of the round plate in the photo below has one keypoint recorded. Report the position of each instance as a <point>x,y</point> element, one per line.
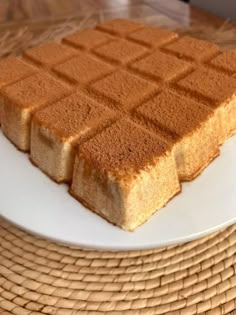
<point>37,204</point>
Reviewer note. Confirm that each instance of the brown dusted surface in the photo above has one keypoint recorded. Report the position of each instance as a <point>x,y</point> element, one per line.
<point>83,69</point>
<point>14,69</point>
<point>50,54</point>
<point>35,91</point>
<point>121,51</point>
<point>153,36</point>
<point>124,88</point>
<point>120,26</point>
<point>226,61</point>
<point>124,146</point>
<point>73,115</point>
<point>159,65</point>
<point>88,39</point>
<point>174,115</point>
<point>210,84</point>
<point>192,48</point>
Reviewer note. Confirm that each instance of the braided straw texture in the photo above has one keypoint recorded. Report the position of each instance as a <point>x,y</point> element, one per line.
<point>42,277</point>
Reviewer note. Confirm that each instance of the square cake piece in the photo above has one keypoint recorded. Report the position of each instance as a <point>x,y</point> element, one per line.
<point>23,98</point>
<point>12,70</point>
<point>120,27</point>
<point>220,92</point>
<point>122,112</point>
<point>59,128</point>
<point>121,51</point>
<point>50,54</point>
<point>123,89</point>
<point>160,66</point>
<point>83,69</point>
<point>125,174</point>
<point>226,61</point>
<point>153,36</point>
<point>87,39</point>
<point>190,126</point>
<point>192,48</point>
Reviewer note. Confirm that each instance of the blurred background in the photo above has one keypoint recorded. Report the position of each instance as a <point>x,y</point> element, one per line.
<point>25,23</point>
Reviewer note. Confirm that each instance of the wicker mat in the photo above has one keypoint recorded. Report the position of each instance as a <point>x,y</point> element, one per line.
<point>41,277</point>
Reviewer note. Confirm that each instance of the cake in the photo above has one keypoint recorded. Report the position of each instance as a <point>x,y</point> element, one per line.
<point>82,69</point>
<point>121,51</point>
<point>50,54</point>
<point>57,131</point>
<point>219,92</point>
<point>123,113</point>
<point>22,99</point>
<point>190,48</point>
<point>123,90</point>
<point>87,39</point>
<point>225,61</point>
<point>189,125</point>
<point>119,27</point>
<point>12,70</point>
<point>124,174</point>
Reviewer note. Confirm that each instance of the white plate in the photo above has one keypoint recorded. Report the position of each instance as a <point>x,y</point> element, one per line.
<point>34,202</point>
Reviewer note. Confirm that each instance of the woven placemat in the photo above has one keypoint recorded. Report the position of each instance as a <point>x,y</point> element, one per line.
<point>41,277</point>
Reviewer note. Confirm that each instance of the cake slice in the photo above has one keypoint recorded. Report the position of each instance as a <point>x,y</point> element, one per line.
<point>152,36</point>
<point>161,67</point>
<point>11,70</point>
<point>219,92</point>
<point>190,48</point>
<point>119,27</point>
<point>23,98</point>
<point>123,90</point>
<point>125,174</point>
<point>59,128</point>
<point>87,39</point>
<point>121,51</point>
<point>226,61</point>
<point>82,69</point>
<point>190,126</point>
<point>50,54</point>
